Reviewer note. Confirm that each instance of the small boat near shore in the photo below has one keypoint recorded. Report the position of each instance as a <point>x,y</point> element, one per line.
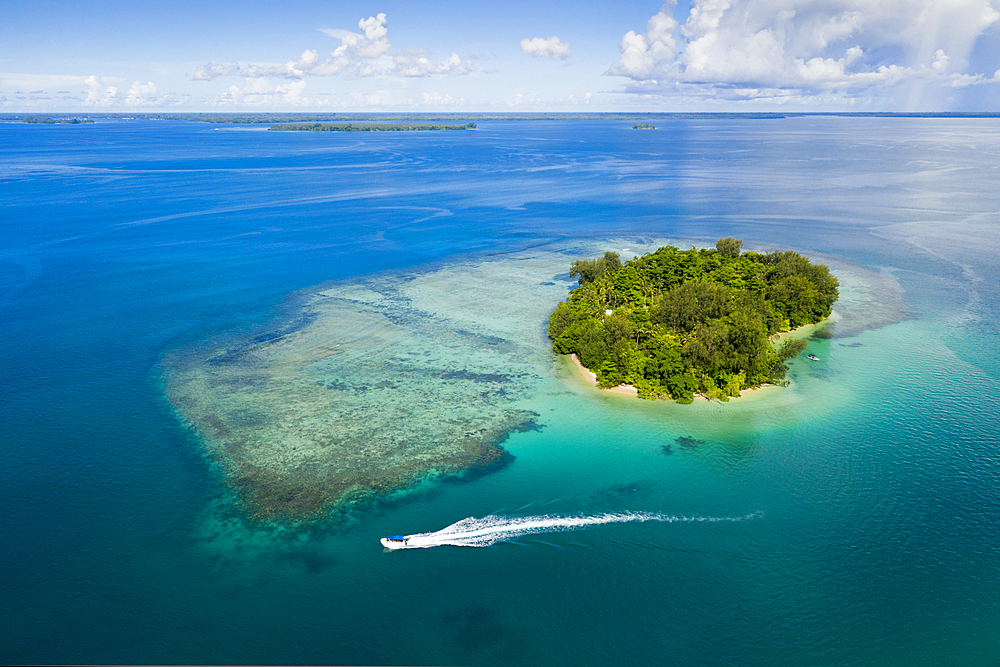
<point>812,357</point>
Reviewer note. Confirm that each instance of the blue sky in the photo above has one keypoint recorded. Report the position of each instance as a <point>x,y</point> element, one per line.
<point>702,55</point>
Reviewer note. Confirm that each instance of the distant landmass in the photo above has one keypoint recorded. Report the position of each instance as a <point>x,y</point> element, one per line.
<point>54,120</point>
<point>375,127</point>
<point>261,118</point>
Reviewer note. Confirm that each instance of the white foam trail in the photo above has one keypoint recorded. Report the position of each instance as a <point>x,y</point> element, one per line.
<point>473,532</point>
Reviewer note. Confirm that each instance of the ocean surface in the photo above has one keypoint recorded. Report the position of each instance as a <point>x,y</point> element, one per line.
<point>849,519</point>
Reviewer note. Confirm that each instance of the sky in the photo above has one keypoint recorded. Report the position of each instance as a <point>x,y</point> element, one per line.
<point>443,55</point>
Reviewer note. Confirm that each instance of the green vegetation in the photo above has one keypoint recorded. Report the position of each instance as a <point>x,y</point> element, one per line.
<point>51,120</point>
<point>589,270</point>
<point>676,322</point>
<point>643,126</point>
<point>349,127</point>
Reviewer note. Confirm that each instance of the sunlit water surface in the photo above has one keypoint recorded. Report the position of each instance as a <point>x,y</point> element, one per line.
<point>866,493</point>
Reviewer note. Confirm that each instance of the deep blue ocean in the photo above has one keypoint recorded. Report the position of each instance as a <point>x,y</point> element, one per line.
<point>873,484</point>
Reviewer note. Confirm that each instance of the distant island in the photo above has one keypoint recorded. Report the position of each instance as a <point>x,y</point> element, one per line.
<point>643,126</point>
<point>380,127</point>
<point>674,323</point>
<point>51,120</point>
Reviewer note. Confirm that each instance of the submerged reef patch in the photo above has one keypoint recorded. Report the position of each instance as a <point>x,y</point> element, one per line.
<point>371,386</point>
<point>688,442</point>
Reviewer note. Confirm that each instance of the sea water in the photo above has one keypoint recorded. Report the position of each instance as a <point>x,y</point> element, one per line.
<point>869,487</point>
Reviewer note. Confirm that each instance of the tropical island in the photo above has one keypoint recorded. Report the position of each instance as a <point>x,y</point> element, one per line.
<point>350,127</point>
<point>643,126</point>
<point>674,323</point>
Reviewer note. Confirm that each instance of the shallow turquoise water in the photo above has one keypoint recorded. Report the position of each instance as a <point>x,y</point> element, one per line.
<point>876,475</point>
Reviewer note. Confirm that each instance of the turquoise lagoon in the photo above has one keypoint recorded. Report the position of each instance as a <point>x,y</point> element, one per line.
<point>329,297</point>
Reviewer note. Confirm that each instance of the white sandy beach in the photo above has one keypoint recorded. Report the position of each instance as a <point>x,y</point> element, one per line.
<point>590,378</point>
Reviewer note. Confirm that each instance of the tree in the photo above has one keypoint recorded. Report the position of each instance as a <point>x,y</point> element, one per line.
<point>560,320</point>
<point>663,360</point>
<point>584,270</point>
<point>616,328</point>
<point>590,346</point>
<point>689,304</point>
<point>590,270</point>
<point>729,246</point>
<point>612,261</point>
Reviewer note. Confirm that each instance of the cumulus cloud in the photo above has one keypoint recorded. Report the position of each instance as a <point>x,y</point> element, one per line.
<point>437,99</point>
<point>550,47</point>
<point>643,56</point>
<point>142,94</point>
<point>138,95</point>
<point>98,91</point>
<point>376,40</point>
<point>360,54</point>
<point>210,71</point>
<point>260,93</point>
<point>758,48</point>
<point>416,63</point>
<point>44,81</point>
<point>98,94</point>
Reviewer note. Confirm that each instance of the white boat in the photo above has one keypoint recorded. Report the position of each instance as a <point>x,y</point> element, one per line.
<point>396,542</point>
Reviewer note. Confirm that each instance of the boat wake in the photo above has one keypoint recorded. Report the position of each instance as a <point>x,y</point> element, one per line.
<point>473,532</point>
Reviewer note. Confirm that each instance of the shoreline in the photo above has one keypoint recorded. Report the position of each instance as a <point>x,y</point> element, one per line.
<point>587,374</point>
<point>590,378</point>
<point>804,330</point>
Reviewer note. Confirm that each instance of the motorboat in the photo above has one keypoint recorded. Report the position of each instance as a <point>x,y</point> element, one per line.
<point>395,542</point>
<point>812,357</point>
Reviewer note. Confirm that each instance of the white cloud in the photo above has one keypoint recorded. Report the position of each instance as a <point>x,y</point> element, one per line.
<point>98,94</point>
<point>966,80</point>
<point>210,71</point>
<point>776,48</point>
<point>147,95</point>
<point>437,99</point>
<point>643,55</point>
<point>550,47</point>
<point>376,40</point>
<point>260,93</point>
<point>940,64</point>
<point>364,54</point>
<point>99,91</point>
<point>30,81</point>
<point>141,95</point>
<point>418,64</point>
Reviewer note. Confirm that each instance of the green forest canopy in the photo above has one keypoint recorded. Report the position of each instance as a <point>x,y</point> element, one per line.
<point>675,322</point>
